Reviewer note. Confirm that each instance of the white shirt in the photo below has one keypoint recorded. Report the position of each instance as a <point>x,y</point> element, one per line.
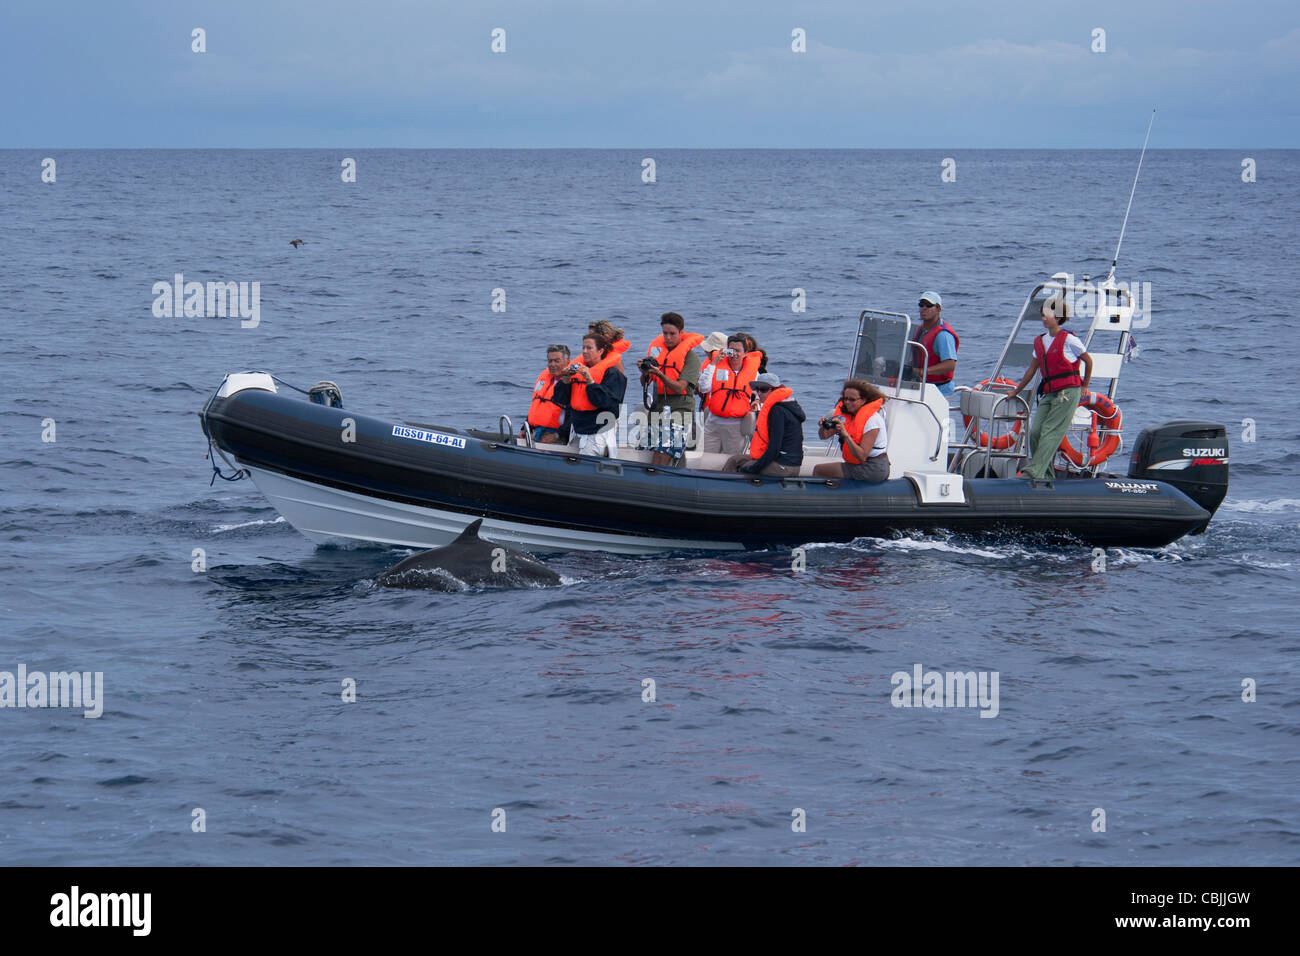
<point>705,383</point>
<point>1072,348</point>
<point>882,436</point>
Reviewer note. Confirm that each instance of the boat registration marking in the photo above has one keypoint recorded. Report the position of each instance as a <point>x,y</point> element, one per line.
<point>1134,487</point>
<point>433,438</point>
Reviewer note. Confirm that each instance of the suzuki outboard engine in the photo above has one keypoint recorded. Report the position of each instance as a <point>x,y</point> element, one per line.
<point>1191,456</point>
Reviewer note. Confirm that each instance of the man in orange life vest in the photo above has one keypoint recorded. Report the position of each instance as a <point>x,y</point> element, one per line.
<point>548,413</point>
<point>724,383</point>
<point>675,369</point>
<point>777,446</point>
<point>939,339</point>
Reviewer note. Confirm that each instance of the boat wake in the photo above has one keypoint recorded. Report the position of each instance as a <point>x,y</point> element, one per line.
<point>1269,506</point>
<point>1012,550</point>
<point>222,528</point>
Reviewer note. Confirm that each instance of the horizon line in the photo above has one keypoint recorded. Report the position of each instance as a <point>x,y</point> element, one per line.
<point>788,149</point>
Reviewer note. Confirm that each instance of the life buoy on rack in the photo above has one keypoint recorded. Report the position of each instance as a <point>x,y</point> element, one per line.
<point>1002,442</point>
<point>1106,413</point>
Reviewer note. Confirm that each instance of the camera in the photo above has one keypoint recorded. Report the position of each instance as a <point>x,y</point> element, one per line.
<point>648,363</point>
<point>831,422</point>
<point>726,353</point>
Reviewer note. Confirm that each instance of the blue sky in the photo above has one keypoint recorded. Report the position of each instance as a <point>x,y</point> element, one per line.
<point>579,73</point>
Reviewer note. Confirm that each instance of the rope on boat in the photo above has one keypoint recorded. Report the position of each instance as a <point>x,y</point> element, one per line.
<point>237,473</point>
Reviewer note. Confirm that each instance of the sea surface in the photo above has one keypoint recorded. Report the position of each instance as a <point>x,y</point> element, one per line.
<point>1119,690</point>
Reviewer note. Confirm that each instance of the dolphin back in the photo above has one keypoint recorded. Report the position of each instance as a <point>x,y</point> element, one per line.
<point>471,562</point>
<point>470,533</point>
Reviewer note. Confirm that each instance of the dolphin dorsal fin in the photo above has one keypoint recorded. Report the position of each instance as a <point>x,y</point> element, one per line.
<point>471,532</point>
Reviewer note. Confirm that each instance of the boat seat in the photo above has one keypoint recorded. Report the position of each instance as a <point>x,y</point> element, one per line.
<point>630,454</point>
<point>980,405</point>
<point>972,465</point>
<point>570,449</point>
<point>811,461</point>
<point>706,460</point>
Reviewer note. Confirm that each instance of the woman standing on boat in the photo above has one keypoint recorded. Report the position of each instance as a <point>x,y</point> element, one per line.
<point>1058,354</point>
<point>599,384</point>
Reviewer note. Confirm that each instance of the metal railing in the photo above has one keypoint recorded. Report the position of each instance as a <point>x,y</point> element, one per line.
<point>908,343</point>
<point>508,431</point>
<point>1019,445</point>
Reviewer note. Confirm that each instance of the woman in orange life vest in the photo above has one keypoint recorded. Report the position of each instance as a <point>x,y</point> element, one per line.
<point>751,345</point>
<point>859,423</point>
<point>1058,354</point>
<point>599,384</point>
<point>550,405</point>
<point>674,371</point>
<point>724,384</point>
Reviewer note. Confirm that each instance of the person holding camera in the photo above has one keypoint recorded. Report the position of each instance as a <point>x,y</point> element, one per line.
<point>858,422</point>
<point>724,384</point>
<point>598,386</point>
<point>550,405</point>
<point>669,371</point>
<point>777,446</point>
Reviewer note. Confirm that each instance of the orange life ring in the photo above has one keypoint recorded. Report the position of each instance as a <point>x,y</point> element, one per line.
<point>1002,442</point>
<point>1105,412</point>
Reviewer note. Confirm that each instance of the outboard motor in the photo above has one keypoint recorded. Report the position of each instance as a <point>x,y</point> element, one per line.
<point>1191,456</point>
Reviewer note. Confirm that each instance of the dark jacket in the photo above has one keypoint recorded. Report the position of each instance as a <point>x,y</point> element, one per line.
<point>560,396</point>
<point>607,396</point>
<point>784,436</point>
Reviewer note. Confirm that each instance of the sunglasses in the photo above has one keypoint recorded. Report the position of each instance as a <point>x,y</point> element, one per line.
<point>846,398</point>
<point>925,305</point>
<point>761,388</point>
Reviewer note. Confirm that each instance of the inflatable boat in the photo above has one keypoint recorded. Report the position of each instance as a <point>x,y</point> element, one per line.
<point>341,476</point>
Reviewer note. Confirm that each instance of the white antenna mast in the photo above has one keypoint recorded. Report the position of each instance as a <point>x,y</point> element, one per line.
<point>1115,261</point>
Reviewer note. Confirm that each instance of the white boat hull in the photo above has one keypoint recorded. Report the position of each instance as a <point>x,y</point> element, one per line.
<point>328,515</point>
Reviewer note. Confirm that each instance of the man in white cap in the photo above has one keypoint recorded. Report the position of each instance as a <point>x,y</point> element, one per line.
<point>939,339</point>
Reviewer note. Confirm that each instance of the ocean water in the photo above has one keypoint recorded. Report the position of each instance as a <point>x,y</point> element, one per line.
<point>1120,690</point>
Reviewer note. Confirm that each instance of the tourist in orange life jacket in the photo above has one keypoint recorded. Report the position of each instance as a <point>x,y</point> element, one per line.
<point>860,424</point>
<point>1058,354</point>
<point>777,446</point>
<point>724,385</point>
<point>751,345</point>
<point>548,413</point>
<point>672,365</point>
<point>598,386</point>
<point>939,339</point>
<point>711,346</point>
